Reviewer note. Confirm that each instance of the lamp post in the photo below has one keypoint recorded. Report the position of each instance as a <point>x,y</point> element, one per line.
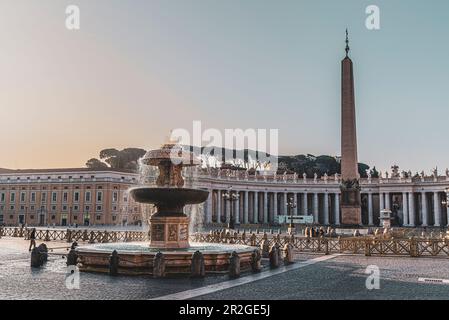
<point>231,197</point>
<point>291,204</point>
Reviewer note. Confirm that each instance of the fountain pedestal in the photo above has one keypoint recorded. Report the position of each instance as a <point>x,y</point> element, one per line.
<point>169,232</point>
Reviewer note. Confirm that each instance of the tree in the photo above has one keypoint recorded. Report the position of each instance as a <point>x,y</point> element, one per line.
<point>124,159</point>
<point>96,164</point>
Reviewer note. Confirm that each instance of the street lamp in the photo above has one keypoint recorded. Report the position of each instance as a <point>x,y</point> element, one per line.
<point>446,201</point>
<point>291,204</point>
<point>231,197</point>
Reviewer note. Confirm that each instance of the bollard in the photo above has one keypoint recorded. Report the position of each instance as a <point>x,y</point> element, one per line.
<point>326,247</point>
<point>113,263</point>
<point>159,265</point>
<point>43,250</point>
<point>36,258</point>
<point>256,261</point>
<point>234,265</point>
<point>274,257</point>
<point>265,247</point>
<point>1,232</point>
<point>197,268</point>
<point>72,258</point>
<point>289,256</point>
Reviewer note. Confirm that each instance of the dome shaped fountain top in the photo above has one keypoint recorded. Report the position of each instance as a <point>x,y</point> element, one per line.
<point>169,225</point>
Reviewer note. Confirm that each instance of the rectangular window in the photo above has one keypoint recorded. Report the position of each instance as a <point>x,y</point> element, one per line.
<point>115,196</point>
<point>33,196</point>
<point>2,197</point>
<point>76,196</point>
<point>87,197</point>
<point>22,196</point>
<point>12,197</point>
<point>65,197</point>
<point>1,219</point>
<point>44,197</point>
<point>54,196</point>
<point>98,208</point>
<point>99,196</point>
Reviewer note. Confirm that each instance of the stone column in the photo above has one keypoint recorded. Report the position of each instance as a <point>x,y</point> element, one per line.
<point>256,208</point>
<point>370,209</point>
<point>298,198</point>
<point>425,221</point>
<point>245,208</point>
<point>285,198</point>
<point>326,208</point>
<point>219,199</point>
<point>411,210</point>
<point>387,201</point>
<point>381,201</point>
<point>265,207</point>
<point>436,209</point>
<point>315,208</point>
<point>275,206</point>
<point>337,209</point>
<point>238,208</point>
<point>305,209</point>
<point>208,207</point>
<point>228,210</point>
<point>405,209</point>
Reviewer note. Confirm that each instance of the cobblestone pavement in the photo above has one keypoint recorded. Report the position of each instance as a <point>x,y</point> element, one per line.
<point>340,278</point>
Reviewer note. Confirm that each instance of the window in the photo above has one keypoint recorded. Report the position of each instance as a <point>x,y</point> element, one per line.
<point>53,208</point>
<point>87,196</point>
<point>1,219</point>
<point>87,208</point>
<point>115,196</point>
<point>64,208</point>
<point>11,208</point>
<point>22,196</point>
<point>76,208</point>
<point>54,196</point>
<point>53,217</point>
<point>44,197</point>
<point>75,218</point>
<point>32,208</point>
<point>99,196</point>
<point>99,208</point>
<point>2,197</point>
<point>98,217</point>
<point>12,197</point>
<point>76,196</point>
<point>114,218</point>
<point>33,196</point>
<point>65,197</point>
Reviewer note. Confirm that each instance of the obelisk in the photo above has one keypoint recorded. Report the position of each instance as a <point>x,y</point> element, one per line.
<point>350,187</point>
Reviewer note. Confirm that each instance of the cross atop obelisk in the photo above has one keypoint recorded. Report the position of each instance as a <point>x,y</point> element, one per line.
<point>350,189</point>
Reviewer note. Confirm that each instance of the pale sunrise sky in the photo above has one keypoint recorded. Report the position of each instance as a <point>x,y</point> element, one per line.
<point>139,68</point>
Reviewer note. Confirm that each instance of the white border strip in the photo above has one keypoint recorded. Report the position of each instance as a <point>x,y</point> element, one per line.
<point>189,294</point>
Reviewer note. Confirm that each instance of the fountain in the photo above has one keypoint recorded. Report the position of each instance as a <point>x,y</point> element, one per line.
<point>169,227</point>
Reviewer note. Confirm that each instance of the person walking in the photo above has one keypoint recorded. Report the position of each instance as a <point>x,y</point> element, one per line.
<point>32,239</point>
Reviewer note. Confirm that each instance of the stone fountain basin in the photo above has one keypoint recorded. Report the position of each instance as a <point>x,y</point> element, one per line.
<point>137,258</point>
<point>172,196</point>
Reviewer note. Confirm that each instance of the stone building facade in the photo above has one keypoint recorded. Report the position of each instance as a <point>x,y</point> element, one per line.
<point>67,197</point>
<point>100,197</point>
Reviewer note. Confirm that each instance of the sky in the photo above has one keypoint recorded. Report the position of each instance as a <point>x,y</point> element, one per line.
<point>137,69</point>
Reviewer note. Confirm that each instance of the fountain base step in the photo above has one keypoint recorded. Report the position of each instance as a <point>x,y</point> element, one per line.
<point>138,258</point>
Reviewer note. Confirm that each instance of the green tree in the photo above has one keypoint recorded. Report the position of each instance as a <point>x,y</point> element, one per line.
<point>96,164</point>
